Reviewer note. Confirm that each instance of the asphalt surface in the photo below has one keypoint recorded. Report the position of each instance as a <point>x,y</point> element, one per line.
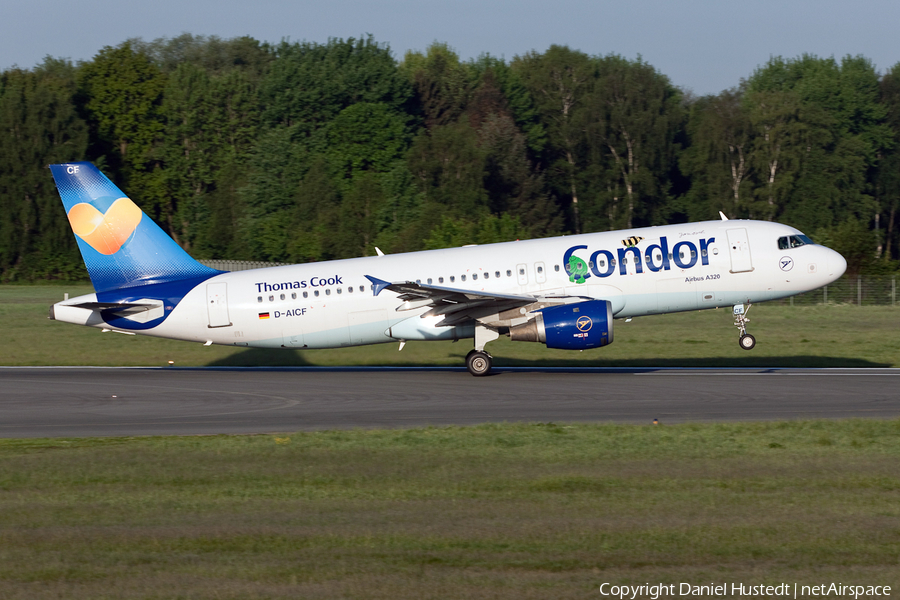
<point>77,402</point>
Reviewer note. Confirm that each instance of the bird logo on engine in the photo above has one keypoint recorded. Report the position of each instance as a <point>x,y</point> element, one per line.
<point>584,324</point>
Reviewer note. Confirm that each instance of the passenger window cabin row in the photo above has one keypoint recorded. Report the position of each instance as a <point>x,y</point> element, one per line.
<point>315,293</point>
<point>657,257</point>
<point>429,281</point>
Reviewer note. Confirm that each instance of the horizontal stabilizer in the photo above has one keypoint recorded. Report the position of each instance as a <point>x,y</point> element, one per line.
<point>109,305</point>
<point>137,310</point>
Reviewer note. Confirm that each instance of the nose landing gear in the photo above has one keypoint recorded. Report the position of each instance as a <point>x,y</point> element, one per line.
<point>746,341</point>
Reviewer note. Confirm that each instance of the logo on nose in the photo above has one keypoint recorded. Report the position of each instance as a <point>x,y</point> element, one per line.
<point>105,233</point>
<point>786,263</point>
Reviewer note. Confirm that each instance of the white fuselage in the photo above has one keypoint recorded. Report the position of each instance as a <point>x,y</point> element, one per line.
<point>332,304</point>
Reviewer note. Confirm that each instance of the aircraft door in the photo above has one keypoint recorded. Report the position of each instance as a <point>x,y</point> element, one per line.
<point>739,249</point>
<point>217,304</point>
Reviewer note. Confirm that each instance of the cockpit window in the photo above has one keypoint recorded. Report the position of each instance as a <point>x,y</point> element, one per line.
<point>793,241</point>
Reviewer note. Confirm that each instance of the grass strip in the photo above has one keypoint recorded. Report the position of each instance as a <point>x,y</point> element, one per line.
<point>492,511</point>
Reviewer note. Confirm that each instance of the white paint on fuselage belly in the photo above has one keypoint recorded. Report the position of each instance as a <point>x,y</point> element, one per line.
<point>324,321</point>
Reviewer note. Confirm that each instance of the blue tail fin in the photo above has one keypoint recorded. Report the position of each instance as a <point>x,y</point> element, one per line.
<point>121,246</point>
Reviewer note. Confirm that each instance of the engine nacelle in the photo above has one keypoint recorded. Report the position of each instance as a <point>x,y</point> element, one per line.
<point>576,326</point>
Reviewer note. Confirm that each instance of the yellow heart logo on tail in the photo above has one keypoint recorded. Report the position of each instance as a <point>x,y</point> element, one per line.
<point>105,232</point>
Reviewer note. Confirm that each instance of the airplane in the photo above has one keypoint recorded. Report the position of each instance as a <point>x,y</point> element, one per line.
<point>564,292</point>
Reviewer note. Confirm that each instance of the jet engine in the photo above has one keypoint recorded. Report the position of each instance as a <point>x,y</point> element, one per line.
<point>576,326</point>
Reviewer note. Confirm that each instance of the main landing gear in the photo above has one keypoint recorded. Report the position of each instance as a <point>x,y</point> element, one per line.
<point>746,341</point>
<point>479,362</point>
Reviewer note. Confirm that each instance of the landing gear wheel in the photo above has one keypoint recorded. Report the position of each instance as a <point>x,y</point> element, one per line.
<point>478,363</point>
<point>747,341</point>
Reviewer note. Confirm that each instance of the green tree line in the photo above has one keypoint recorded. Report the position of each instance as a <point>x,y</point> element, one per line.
<point>299,152</point>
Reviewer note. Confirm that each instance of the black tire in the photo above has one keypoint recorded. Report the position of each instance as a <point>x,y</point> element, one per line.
<point>479,363</point>
<point>747,341</point>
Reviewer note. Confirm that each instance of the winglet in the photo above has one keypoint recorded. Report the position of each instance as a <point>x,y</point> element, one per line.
<point>378,283</point>
<point>378,250</point>
<point>721,214</point>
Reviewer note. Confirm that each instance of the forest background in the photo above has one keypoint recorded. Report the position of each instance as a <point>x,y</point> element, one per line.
<point>300,152</point>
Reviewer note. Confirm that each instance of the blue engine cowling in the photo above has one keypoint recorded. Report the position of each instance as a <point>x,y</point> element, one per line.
<point>577,326</point>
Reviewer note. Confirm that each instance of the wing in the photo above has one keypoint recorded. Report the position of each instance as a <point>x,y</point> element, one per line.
<point>457,306</point>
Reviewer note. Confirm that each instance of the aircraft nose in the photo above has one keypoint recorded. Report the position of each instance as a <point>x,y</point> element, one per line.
<point>837,264</point>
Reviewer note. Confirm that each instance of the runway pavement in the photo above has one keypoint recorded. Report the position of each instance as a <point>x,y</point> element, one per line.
<point>77,402</point>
